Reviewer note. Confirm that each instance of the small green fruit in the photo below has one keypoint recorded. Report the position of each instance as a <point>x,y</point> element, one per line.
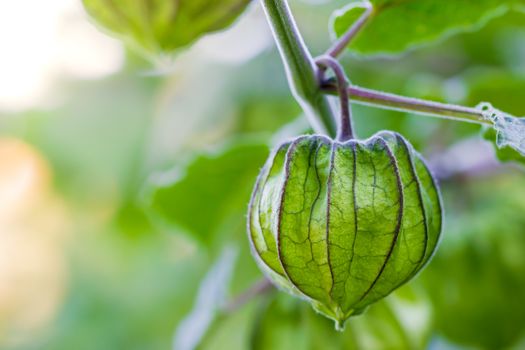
<point>343,224</point>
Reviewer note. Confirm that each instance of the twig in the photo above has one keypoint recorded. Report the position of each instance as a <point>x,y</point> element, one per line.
<point>408,104</point>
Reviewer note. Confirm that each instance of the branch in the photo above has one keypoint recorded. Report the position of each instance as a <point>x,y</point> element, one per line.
<point>300,67</point>
<point>408,104</point>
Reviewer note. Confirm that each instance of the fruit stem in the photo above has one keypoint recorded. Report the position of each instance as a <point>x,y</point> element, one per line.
<point>408,104</point>
<point>300,67</point>
<point>345,129</point>
<point>340,45</point>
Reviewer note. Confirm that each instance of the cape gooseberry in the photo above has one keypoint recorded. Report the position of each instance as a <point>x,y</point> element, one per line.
<point>343,224</point>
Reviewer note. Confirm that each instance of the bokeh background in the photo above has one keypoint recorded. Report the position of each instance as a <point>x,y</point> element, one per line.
<point>124,181</point>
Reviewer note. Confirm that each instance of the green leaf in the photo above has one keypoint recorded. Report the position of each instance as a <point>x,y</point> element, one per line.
<point>509,133</point>
<point>398,25</point>
<point>162,26</point>
<point>210,195</point>
<point>504,154</point>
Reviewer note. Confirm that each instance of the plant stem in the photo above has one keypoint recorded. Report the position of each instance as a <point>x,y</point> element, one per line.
<point>345,129</point>
<point>300,68</point>
<point>408,104</point>
<point>340,45</point>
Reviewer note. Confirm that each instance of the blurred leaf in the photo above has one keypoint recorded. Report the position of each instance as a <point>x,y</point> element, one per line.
<point>503,89</point>
<point>402,321</point>
<point>85,142</point>
<point>255,113</point>
<point>477,279</point>
<point>281,325</point>
<point>123,293</point>
<point>398,25</point>
<point>132,219</point>
<point>161,26</point>
<point>211,296</point>
<point>230,332</point>
<point>211,195</point>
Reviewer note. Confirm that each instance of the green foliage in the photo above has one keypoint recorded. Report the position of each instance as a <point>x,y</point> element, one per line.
<point>398,25</point>
<point>284,323</point>
<point>162,26</point>
<point>124,293</point>
<point>344,224</point>
<point>477,279</point>
<point>209,195</point>
<point>505,154</point>
<point>502,89</point>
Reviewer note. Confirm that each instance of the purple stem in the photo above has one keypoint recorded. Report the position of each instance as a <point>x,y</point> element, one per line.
<point>408,104</point>
<point>344,130</point>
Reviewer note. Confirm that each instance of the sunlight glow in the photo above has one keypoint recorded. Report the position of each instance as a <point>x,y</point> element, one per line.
<point>44,41</point>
